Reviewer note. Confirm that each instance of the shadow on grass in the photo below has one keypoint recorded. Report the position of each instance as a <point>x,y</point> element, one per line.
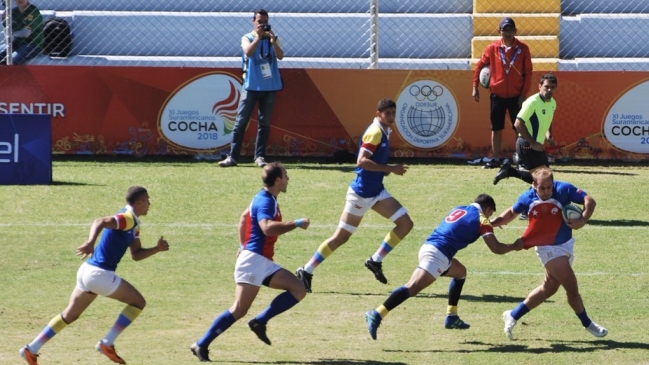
<point>307,163</point>
<point>594,172</point>
<point>355,294</point>
<point>555,347</point>
<point>488,298</point>
<point>322,362</point>
<point>342,159</point>
<point>73,183</point>
<point>327,167</point>
<point>619,223</point>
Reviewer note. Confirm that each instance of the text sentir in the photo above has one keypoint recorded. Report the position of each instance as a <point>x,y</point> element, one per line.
<point>53,109</point>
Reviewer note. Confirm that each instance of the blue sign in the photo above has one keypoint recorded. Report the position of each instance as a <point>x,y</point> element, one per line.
<point>25,149</point>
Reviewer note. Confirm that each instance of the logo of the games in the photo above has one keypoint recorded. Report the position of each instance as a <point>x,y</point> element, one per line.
<point>200,114</point>
<point>626,124</point>
<point>426,114</point>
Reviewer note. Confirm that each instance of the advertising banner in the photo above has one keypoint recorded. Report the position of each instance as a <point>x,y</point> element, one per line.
<point>192,111</point>
<point>25,149</point>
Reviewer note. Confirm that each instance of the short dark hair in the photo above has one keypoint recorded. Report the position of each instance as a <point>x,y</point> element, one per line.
<point>550,77</point>
<point>485,201</point>
<point>135,193</point>
<point>259,11</point>
<point>385,104</point>
<point>271,172</point>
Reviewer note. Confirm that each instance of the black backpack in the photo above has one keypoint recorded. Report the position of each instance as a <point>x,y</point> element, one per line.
<point>58,39</point>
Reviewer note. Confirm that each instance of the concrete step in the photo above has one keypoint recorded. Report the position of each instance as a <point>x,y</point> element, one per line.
<point>540,46</point>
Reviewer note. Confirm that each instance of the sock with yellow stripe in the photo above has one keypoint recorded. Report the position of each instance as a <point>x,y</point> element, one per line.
<point>128,315</point>
<point>389,242</point>
<point>320,255</point>
<point>56,325</point>
<point>451,310</point>
<point>398,296</point>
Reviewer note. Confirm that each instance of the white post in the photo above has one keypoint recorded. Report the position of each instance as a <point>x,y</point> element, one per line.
<point>374,34</point>
<point>8,31</point>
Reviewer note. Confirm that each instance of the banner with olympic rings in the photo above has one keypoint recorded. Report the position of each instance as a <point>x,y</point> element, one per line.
<point>191,111</point>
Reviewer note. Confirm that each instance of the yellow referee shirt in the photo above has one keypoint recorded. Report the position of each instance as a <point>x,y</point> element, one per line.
<point>537,116</point>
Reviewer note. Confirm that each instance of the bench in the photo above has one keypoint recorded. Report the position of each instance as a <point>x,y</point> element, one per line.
<point>604,35</point>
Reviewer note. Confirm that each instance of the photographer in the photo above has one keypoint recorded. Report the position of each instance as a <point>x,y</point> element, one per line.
<point>261,79</point>
<point>27,32</point>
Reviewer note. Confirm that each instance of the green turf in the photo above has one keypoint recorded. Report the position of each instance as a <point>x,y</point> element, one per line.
<point>196,205</point>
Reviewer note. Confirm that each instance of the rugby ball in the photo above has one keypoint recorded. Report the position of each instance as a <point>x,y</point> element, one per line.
<point>485,75</point>
<point>570,211</point>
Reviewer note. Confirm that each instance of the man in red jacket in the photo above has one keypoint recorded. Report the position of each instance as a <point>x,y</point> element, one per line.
<point>510,63</point>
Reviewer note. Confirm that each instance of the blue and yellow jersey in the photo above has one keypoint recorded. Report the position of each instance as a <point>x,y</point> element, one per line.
<point>376,141</point>
<point>546,225</point>
<point>460,228</point>
<point>537,115</point>
<point>263,206</point>
<point>114,242</point>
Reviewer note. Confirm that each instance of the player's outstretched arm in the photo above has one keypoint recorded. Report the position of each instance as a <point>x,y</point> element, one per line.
<point>501,248</point>
<point>398,169</point>
<point>273,228</point>
<point>504,218</point>
<point>369,165</point>
<point>364,162</point>
<point>139,253</point>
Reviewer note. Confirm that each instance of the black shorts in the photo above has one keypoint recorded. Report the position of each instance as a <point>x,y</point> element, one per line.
<point>499,107</point>
<point>530,158</point>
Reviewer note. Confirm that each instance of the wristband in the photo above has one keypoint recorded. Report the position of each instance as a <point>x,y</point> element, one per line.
<point>298,222</point>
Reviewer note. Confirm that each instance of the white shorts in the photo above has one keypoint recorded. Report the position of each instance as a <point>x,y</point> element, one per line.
<point>358,205</point>
<point>547,253</point>
<point>96,280</point>
<point>432,260</point>
<point>252,268</point>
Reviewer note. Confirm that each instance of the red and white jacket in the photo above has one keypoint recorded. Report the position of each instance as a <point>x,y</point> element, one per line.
<point>508,79</point>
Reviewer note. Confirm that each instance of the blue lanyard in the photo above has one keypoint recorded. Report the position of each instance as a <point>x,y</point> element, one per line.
<point>511,63</point>
<point>265,54</point>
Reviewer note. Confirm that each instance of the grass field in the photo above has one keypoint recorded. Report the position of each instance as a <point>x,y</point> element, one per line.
<point>196,207</point>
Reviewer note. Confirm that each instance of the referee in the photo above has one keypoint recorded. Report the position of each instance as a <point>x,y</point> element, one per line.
<point>534,126</point>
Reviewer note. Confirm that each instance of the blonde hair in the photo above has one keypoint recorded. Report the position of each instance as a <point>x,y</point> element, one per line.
<point>542,173</point>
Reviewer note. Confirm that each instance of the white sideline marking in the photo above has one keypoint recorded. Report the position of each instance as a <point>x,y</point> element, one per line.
<point>331,227</point>
<point>541,273</point>
<point>311,226</point>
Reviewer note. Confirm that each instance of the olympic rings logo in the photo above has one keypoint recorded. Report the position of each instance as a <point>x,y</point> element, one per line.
<point>426,92</point>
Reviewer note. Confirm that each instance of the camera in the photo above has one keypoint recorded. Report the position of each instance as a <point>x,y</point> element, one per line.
<point>266,27</point>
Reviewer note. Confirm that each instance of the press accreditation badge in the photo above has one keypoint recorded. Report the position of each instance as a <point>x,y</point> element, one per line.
<point>265,71</point>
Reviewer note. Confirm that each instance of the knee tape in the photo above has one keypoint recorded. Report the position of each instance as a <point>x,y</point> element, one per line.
<point>402,211</point>
<point>347,227</point>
